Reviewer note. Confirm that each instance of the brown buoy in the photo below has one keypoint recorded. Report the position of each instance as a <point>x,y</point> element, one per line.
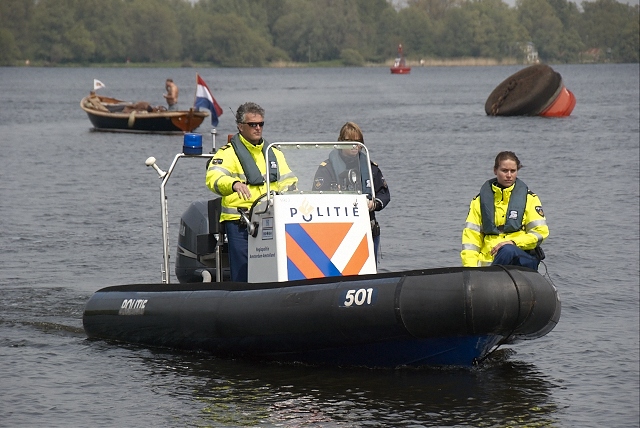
<point>537,90</point>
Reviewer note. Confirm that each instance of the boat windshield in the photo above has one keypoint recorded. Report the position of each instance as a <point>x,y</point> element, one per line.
<point>329,167</point>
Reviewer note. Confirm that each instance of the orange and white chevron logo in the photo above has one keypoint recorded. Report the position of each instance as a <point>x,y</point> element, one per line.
<point>317,250</point>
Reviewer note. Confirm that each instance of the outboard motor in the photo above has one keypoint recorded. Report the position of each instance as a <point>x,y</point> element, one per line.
<point>201,238</point>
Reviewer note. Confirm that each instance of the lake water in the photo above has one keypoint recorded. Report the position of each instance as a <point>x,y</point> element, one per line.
<point>80,211</point>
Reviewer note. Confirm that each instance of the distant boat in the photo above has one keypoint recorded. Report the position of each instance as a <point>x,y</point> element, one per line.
<point>400,65</point>
<point>113,115</point>
<point>537,90</point>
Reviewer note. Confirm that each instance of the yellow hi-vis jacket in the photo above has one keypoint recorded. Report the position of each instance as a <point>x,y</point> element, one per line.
<point>476,246</point>
<point>225,169</point>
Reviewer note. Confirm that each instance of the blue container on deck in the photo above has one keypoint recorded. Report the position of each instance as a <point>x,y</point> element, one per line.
<point>192,144</point>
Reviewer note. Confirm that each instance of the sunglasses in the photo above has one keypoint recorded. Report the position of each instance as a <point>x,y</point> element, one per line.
<point>254,124</point>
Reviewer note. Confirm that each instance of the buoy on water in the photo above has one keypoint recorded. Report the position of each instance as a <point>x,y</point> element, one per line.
<point>537,90</point>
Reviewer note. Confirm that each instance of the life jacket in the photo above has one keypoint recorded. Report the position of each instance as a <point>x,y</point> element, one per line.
<point>339,167</point>
<point>249,166</point>
<point>515,209</point>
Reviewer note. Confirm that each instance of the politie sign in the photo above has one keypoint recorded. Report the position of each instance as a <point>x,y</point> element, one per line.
<point>304,236</point>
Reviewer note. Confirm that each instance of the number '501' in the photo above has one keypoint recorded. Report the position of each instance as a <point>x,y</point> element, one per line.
<point>362,296</point>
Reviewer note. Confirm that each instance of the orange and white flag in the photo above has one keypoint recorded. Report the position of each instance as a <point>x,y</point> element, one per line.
<point>97,84</point>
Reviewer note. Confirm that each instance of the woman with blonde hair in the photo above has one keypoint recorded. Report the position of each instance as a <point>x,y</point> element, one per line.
<point>332,175</point>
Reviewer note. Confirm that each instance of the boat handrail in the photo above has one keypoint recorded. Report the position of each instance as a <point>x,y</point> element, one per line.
<point>164,176</point>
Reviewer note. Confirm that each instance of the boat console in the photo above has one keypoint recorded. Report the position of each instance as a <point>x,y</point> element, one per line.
<point>319,228</point>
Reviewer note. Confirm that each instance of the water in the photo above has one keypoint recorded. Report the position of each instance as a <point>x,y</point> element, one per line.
<point>80,211</point>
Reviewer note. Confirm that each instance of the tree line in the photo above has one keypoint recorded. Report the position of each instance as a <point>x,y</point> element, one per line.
<point>254,33</point>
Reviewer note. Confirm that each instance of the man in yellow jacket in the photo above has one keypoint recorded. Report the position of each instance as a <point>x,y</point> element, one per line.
<point>237,172</point>
<point>505,221</point>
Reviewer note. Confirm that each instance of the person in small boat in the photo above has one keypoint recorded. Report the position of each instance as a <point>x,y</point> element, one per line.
<point>237,173</point>
<point>333,174</point>
<point>506,224</point>
<point>172,95</point>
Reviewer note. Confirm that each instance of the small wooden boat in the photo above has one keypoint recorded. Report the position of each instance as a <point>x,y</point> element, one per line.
<point>114,115</point>
<point>314,294</point>
<point>537,90</point>
<point>400,65</point>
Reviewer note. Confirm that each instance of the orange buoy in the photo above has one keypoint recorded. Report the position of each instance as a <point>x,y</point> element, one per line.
<point>532,91</point>
<point>562,105</point>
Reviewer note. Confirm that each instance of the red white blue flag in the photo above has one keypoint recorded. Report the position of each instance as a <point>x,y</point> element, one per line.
<point>204,99</point>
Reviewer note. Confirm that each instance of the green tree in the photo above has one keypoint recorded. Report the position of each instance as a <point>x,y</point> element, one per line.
<point>52,22</point>
<point>15,19</point>
<point>436,9</point>
<point>318,30</point>
<point>372,15</point>
<point>544,26</point>
<point>570,43</point>
<point>416,32</point>
<point>155,35</point>
<point>9,51</point>
<point>389,34</point>
<point>498,30</point>
<point>456,35</point>
<point>611,27</point>
<point>254,13</point>
<point>226,40</point>
<point>185,15</point>
<point>105,20</point>
<point>335,27</point>
<point>268,12</point>
<point>351,57</point>
<point>251,33</point>
<point>628,47</point>
<point>80,44</point>
<point>292,31</point>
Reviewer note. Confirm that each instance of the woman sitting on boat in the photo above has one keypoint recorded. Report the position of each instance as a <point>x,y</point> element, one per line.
<point>506,223</point>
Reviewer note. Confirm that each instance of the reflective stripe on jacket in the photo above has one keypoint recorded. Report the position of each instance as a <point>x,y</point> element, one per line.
<point>224,170</point>
<point>476,246</point>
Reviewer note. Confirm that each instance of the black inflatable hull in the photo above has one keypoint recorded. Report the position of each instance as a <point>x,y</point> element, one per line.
<point>452,316</point>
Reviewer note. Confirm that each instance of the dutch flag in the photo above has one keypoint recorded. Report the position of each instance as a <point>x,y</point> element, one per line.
<point>204,99</point>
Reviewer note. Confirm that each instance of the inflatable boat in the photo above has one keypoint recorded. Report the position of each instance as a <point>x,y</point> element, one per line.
<point>536,90</point>
<point>314,294</point>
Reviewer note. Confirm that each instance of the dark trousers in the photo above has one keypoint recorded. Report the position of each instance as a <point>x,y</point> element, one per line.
<point>512,255</point>
<point>376,244</point>
<point>238,240</point>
